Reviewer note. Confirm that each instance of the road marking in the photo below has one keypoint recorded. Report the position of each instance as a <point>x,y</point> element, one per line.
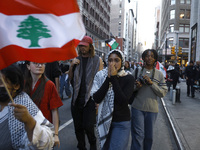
<point>65,124</point>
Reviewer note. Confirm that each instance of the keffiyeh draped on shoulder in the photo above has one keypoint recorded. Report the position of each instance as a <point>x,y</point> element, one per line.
<point>17,129</point>
<point>105,108</point>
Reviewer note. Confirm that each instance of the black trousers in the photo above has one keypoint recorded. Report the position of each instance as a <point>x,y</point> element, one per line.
<point>190,83</point>
<point>84,122</point>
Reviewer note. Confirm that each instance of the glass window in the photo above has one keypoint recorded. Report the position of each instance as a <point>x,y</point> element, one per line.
<point>170,42</point>
<point>187,28</point>
<point>188,1</point>
<point>181,28</point>
<point>182,14</point>
<point>187,16</point>
<point>120,11</point>
<point>184,42</point>
<point>184,28</point>
<point>171,27</point>
<point>119,34</point>
<point>172,14</point>
<point>182,1</point>
<point>173,2</point>
<point>120,23</point>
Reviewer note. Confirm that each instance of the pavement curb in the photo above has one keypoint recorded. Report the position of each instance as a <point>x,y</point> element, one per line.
<point>173,126</point>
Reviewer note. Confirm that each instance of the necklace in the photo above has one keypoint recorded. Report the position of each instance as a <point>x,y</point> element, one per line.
<point>147,72</point>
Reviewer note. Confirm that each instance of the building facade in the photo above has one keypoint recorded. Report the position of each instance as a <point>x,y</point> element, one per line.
<point>124,25</point>
<point>174,30</point>
<point>96,18</point>
<point>194,45</point>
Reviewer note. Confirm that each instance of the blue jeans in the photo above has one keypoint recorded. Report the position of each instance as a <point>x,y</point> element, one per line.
<point>64,84</point>
<point>118,137</point>
<point>142,124</point>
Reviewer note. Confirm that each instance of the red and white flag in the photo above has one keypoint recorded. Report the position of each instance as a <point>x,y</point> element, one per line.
<point>39,30</point>
<point>160,67</point>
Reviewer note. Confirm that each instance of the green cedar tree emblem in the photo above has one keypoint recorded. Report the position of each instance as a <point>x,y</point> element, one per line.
<point>33,29</point>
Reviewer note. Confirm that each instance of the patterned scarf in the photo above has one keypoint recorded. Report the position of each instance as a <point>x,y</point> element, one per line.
<point>92,68</point>
<point>17,128</point>
<point>106,107</point>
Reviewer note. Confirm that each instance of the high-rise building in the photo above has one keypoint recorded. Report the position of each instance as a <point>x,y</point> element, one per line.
<point>96,18</point>
<point>124,25</point>
<point>194,46</point>
<point>174,30</point>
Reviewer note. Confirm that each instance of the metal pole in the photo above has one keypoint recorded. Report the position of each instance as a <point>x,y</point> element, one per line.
<point>176,46</point>
<point>171,93</point>
<point>174,97</point>
<point>166,49</point>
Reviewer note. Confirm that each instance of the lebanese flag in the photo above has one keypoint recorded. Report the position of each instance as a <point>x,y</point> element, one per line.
<point>39,30</point>
<point>160,67</point>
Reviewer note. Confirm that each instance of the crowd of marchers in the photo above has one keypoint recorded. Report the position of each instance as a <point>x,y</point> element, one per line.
<point>190,73</point>
<point>111,99</point>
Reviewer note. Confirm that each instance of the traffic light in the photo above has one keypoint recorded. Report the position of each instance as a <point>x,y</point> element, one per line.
<point>173,50</point>
<point>179,50</point>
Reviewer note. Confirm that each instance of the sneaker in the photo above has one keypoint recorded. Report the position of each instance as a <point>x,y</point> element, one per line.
<point>193,96</point>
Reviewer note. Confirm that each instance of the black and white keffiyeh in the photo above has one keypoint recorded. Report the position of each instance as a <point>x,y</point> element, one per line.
<point>17,129</point>
<point>18,134</point>
<point>106,107</point>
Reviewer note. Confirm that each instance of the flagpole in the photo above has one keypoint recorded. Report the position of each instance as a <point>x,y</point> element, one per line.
<point>2,79</point>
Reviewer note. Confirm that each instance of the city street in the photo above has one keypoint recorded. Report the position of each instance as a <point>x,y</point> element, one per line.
<point>163,137</point>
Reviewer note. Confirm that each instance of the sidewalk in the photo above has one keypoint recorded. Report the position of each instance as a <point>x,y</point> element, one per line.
<point>186,118</point>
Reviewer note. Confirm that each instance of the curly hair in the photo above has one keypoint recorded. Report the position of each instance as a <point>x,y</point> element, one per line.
<point>144,54</point>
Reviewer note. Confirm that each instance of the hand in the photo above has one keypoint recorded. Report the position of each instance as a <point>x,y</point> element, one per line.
<point>21,113</point>
<point>56,141</point>
<point>148,80</point>
<point>138,84</point>
<point>96,106</point>
<point>75,61</point>
<point>112,71</point>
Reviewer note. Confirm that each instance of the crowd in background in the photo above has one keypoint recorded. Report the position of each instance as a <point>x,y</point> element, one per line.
<point>124,93</point>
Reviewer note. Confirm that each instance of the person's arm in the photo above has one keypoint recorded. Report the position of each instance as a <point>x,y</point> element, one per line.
<point>100,64</point>
<point>122,95</point>
<point>21,113</point>
<point>160,89</point>
<point>55,119</point>
<point>75,61</point>
<point>186,73</point>
<point>39,131</point>
<point>101,92</point>
<point>57,83</point>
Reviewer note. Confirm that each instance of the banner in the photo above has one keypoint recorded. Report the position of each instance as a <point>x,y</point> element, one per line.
<point>39,30</point>
<point>160,67</point>
<point>112,43</point>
